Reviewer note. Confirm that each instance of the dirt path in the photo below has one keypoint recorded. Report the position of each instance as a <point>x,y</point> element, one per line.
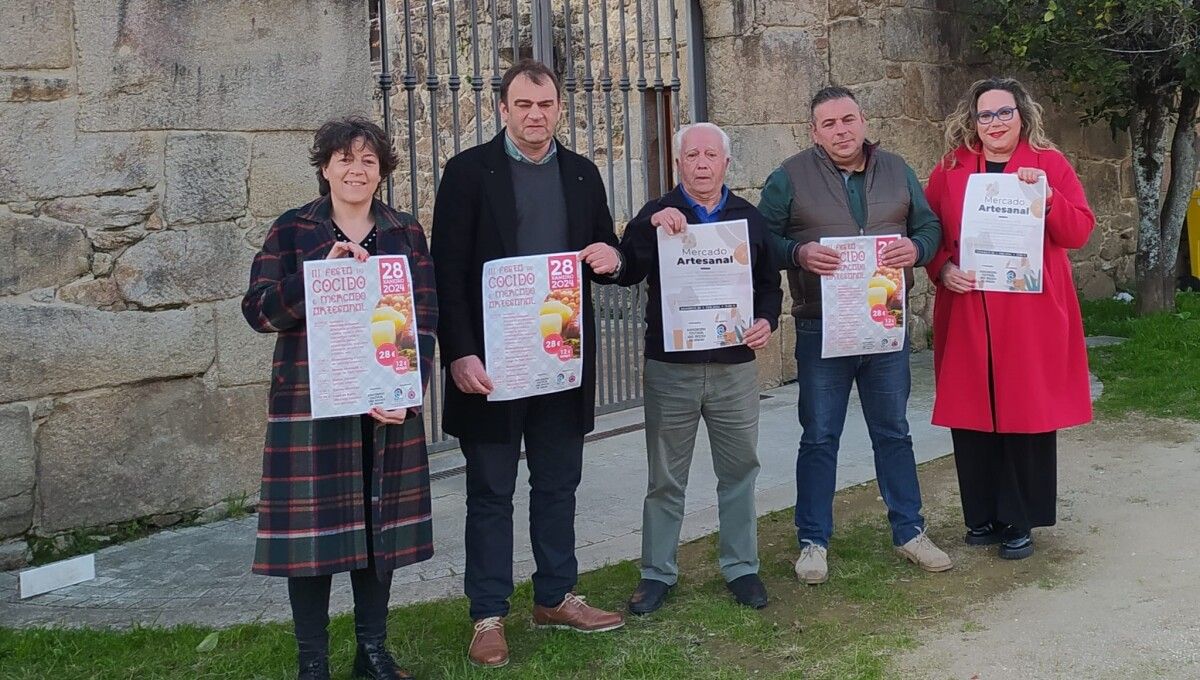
<point>1124,600</point>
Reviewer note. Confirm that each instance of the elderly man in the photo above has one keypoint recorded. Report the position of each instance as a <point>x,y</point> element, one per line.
<point>720,384</point>
<point>826,191</point>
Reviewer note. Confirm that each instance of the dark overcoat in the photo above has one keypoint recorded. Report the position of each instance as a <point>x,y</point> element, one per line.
<point>311,513</point>
<point>475,221</point>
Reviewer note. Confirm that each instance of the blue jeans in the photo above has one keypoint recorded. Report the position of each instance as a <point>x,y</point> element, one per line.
<point>883,382</point>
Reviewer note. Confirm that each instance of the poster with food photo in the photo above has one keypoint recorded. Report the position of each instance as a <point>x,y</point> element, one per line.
<point>533,325</point>
<point>864,304</point>
<point>362,336</point>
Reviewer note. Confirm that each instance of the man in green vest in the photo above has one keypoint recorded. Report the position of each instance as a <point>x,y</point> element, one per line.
<point>846,186</point>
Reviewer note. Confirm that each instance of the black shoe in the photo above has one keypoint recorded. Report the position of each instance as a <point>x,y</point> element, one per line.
<point>315,668</point>
<point>749,590</point>
<point>988,533</point>
<point>648,596</point>
<point>372,661</point>
<point>1017,544</point>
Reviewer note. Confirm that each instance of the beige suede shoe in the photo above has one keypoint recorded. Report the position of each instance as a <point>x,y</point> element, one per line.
<point>922,552</point>
<point>812,567</point>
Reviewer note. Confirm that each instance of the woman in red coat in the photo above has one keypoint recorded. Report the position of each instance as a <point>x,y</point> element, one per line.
<point>1011,368</point>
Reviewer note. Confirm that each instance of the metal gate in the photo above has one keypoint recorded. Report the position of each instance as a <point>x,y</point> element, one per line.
<point>623,65</point>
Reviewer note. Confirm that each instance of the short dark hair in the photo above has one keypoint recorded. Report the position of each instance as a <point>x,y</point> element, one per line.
<point>828,94</point>
<point>531,69</point>
<point>338,136</point>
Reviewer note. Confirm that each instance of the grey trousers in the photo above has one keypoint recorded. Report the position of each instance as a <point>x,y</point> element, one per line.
<point>676,396</point>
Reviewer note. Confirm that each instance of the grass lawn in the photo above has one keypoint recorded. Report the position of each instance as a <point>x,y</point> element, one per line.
<point>871,608</point>
<point>1157,370</point>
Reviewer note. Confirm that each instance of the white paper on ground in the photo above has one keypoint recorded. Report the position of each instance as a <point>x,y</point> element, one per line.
<point>57,575</point>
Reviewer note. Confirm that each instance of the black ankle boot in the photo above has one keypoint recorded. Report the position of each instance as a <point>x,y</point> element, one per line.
<point>988,533</point>
<point>314,668</point>
<point>372,661</point>
<point>1017,544</point>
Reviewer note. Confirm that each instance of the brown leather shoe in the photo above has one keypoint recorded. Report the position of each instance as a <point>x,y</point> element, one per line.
<point>575,614</point>
<point>488,647</point>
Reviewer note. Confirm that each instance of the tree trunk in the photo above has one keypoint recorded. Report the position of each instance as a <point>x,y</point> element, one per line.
<point>1147,131</point>
<point>1179,190</point>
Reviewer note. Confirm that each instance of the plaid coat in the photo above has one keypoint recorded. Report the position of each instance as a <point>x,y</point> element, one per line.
<point>311,513</point>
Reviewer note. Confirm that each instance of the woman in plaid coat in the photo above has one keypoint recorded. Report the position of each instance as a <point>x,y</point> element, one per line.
<point>349,493</point>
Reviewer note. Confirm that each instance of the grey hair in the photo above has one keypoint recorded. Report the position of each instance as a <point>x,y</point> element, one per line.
<point>702,126</point>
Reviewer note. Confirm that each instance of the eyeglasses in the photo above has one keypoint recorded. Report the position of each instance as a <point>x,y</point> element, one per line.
<point>1004,114</point>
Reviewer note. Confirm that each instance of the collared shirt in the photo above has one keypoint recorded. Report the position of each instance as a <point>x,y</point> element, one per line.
<point>510,147</point>
<point>704,214</point>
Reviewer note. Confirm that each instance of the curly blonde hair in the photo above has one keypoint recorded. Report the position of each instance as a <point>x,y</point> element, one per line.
<point>960,126</point>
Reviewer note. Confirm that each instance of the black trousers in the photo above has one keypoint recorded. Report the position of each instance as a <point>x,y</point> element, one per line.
<point>309,595</point>
<point>554,453</point>
<point>1007,477</point>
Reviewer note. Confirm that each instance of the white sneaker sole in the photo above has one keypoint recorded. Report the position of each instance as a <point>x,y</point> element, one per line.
<point>813,581</point>
<point>476,664</point>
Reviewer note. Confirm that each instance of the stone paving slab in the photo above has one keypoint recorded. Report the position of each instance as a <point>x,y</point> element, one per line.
<point>201,575</point>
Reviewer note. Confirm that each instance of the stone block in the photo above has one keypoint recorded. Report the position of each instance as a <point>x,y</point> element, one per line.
<point>40,253</point>
<point>37,34</point>
<point>882,98</point>
<point>758,150</point>
<point>206,262</point>
<point>789,13</point>
<point>14,554</point>
<point>55,349</point>
<point>222,65</point>
<point>17,469</point>
<point>96,163</point>
<point>919,35</point>
<point>933,92</point>
<point>769,361</point>
<point>920,143</point>
<point>33,88</point>
<point>845,8</point>
<point>855,52</point>
<point>764,78</point>
<point>206,177</point>
<point>727,17</point>
<point>787,346</point>
<point>147,450</point>
<point>243,355</point>
<point>103,211</point>
<point>280,176</point>
<point>99,293</point>
<point>1102,185</point>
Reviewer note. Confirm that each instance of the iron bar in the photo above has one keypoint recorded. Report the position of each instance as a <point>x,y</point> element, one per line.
<point>516,35</point>
<point>432,84</point>
<point>476,77</point>
<point>664,150</point>
<point>569,83</point>
<point>496,62</point>
<point>454,82</point>
<point>410,85</point>
<point>385,88</point>
<point>606,85</point>
<point>624,85</point>
<point>589,83</point>
<point>674,67</point>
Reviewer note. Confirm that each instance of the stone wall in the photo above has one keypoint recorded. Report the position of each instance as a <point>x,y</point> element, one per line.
<point>908,62</point>
<point>146,147</point>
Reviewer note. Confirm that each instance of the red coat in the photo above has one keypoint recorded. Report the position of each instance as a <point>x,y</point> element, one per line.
<point>1038,356</point>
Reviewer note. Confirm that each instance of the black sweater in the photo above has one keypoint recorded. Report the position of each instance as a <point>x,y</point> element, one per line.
<point>639,246</point>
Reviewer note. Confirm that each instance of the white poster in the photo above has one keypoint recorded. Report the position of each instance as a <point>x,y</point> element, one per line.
<point>707,286</point>
<point>863,304</point>
<point>362,336</point>
<point>1003,230</point>
<point>533,325</point>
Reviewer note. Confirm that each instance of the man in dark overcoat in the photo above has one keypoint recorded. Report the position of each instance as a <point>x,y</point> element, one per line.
<point>520,194</point>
